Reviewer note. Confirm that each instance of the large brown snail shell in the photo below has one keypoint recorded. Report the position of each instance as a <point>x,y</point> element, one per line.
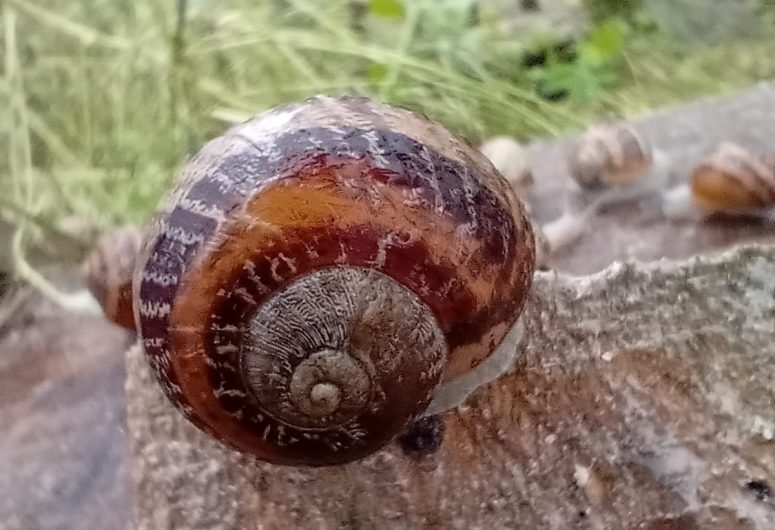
<point>320,270</point>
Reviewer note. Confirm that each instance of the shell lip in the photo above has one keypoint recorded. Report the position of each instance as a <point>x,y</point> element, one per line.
<point>455,393</point>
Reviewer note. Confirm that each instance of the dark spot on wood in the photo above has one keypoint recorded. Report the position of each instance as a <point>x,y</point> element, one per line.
<point>760,489</point>
<point>424,437</point>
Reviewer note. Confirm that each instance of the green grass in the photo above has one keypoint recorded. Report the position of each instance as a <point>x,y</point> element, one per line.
<point>101,101</point>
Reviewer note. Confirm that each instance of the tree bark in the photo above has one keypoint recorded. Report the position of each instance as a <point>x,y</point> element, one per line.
<point>644,398</point>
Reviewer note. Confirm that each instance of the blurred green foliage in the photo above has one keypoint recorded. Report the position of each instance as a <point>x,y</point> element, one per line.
<point>599,10</point>
<point>387,8</point>
<point>594,68</point>
<point>700,22</point>
<point>101,101</point>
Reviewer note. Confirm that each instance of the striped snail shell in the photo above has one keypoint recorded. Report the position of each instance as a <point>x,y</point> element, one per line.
<point>607,156</point>
<point>108,271</point>
<point>734,180</point>
<point>320,270</point>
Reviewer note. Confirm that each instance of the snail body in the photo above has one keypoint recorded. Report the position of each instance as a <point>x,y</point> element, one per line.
<point>108,272</point>
<point>321,271</point>
<point>731,180</point>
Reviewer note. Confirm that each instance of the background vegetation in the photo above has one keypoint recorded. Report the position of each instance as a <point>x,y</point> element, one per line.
<point>101,101</point>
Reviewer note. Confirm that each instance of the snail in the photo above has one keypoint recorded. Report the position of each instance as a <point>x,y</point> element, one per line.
<point>327,273</point>
<point>610,164</point>
<point>609,156</point>
<point>509,157</point>
<point>732,181</point>
<point>108,271</point>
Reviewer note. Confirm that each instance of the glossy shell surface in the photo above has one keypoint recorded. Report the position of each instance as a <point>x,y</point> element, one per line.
<point>340,190</point>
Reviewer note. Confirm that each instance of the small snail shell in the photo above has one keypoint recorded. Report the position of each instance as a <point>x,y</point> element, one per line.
<point>734,180</point>
<point>320,270</point>
<point>731,180</point>
<point>607,156</point>
<point>510,158</point>
<point>108,270</point>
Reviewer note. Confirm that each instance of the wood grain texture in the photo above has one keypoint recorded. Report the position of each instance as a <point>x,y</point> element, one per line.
<point>645,396</point>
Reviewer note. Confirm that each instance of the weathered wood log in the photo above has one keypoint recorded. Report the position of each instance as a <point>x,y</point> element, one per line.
<point>645,398</point>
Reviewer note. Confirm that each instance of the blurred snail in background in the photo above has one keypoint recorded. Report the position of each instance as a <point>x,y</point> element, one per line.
<point>732,181</point>
<point>108,271</point>
<point>510,159</point>
<point>611,164</point>
<point>608,156</point>
<point>328,272</point>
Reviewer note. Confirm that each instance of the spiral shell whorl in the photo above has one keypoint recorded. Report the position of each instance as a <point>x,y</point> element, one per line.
<point>333,345</point>
<point>309,199</point>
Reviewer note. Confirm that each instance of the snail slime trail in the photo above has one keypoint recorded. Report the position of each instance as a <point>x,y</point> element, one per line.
<point>321,272</point>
